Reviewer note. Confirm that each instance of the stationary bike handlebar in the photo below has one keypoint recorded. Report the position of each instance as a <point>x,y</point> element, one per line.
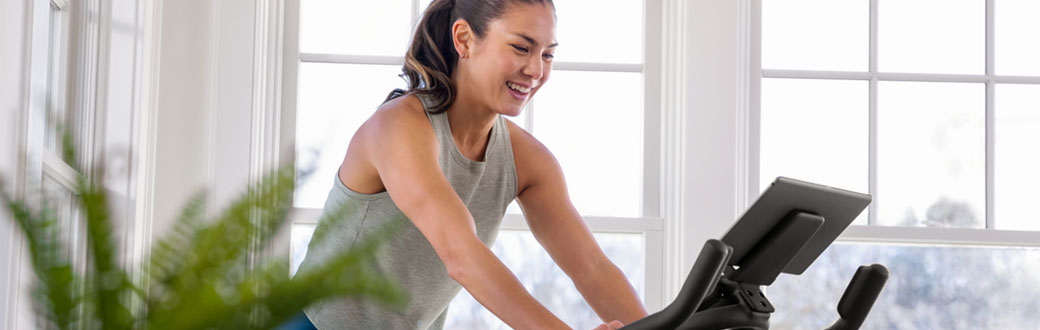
<point>705,274</point>
<point>860,296</point>
<point>688,310</point>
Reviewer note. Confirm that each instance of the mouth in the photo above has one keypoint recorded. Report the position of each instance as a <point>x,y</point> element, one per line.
<point>518,91</point>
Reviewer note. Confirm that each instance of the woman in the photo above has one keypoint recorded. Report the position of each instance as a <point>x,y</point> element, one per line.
<point>442,155</point>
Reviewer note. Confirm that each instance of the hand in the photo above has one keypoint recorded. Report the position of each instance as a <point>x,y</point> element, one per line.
<point>612,325</point>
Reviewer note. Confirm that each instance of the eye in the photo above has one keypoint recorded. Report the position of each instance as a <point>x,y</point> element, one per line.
<point>520,48</point>
<point>548,56</point>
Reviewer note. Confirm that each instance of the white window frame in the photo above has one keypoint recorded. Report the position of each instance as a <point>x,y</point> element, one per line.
<point>886,234</point>
<point>82,91</point>
<point>651,224</point>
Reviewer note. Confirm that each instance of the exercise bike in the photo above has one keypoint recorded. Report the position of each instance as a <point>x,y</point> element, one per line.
<point>784,231</point>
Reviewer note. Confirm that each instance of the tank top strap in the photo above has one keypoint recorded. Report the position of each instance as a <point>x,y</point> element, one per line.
<point>439,121</point>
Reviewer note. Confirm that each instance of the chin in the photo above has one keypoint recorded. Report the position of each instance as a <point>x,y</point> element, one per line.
<point>511,111</point>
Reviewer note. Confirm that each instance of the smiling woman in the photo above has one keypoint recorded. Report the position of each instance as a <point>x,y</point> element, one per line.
<point>430,64</point>
<point>441,159</point>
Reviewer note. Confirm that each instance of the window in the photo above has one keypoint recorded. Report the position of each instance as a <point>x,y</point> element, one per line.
<point>592,114</point>
<point>934,113</point>
<point>57,90</point>
<point>48,172</point>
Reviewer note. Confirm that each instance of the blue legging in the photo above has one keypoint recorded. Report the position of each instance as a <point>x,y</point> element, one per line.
<point>298,322</point>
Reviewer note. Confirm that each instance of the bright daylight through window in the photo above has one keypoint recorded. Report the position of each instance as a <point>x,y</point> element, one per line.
<point>931,107</point>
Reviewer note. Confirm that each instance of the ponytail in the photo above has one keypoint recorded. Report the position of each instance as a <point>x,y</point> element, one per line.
<point>431,58</point>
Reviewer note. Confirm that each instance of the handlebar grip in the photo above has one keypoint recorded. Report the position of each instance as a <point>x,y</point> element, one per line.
<point>704,275</point>
<point>859,296</point>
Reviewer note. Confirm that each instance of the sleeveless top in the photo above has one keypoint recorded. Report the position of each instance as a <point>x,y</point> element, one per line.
<point>486,188</point>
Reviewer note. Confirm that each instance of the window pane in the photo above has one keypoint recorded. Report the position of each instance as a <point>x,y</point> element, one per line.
<point>1017,157</point>
<point>815,130</point>
<point>929,288</point>
<point>1016,31</point>
<point>300,237</point>
<point>598,140</point>
<point>355,27</point>
<point>932,36</point>
<point>792,37</point>
<point>614,34</point>
<point>334,99</point>
<point>58,117</point>
<point>931,154</point>
<point>546,282</point>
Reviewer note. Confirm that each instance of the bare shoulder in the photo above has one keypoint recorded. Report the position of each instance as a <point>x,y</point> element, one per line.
<point>405,110</point>
<point>525,144</point>
<point>398,132</point>
<point>533,159</point>
<point>402,119</point>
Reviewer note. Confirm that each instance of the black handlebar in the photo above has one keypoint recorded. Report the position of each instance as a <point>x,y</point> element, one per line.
<point>703,277</point>
<point>860,296</point>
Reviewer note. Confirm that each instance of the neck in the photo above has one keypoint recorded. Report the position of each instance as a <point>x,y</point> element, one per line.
<point>470,121</point>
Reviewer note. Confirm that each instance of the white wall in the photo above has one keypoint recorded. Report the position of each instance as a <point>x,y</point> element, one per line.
<point>714,115</point>
<point>205,104</point>
<point>186,98</point>
<point>12,86</point>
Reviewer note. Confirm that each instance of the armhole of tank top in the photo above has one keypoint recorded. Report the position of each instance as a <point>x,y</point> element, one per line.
<point>507,142</point>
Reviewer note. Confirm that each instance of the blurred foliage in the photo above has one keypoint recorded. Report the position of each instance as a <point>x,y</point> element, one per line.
<point>199,276</point>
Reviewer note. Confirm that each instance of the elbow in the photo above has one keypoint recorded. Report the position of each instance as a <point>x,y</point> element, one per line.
<point>457,272</point>
<point>460,260</point>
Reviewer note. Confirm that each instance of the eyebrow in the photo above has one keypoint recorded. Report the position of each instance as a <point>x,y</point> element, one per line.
<point>533,42</point>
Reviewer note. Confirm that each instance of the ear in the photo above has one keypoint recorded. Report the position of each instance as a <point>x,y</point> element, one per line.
<point>463,37</point>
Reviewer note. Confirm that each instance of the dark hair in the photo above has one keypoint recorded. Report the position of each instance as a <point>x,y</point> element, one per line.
<point>431,58</point>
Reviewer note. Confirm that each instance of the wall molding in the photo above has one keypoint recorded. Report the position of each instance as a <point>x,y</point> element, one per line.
<point>673,130</point>
<point>265,143</point>
<point>138,233</point>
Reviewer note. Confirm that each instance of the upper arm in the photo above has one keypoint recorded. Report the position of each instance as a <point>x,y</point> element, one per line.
<point>548,209</point>
<point>400,144</point>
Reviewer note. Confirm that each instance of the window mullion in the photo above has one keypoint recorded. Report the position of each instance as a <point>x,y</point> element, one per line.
<point>351,59</point>
<point>415,14</point>
<point>990,22</point>
<point>596,224</point>
<point>872,142</point>
<point>872,115</point>
<point>990,116</point>
<point>529,117</point>
<point>990,153</point>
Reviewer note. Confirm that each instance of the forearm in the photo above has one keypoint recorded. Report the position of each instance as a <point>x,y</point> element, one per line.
<point>488,280</point>
<point>610,294</point>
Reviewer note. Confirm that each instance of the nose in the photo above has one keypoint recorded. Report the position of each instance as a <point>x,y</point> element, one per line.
<point>534,66</point>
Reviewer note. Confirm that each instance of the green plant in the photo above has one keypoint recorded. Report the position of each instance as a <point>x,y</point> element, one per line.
<point>198,276</point>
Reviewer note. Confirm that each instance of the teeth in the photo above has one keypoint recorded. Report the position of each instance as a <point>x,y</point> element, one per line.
<point>518,88</point>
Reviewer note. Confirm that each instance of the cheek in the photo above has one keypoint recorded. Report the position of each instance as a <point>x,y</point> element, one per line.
<point>510,65</point>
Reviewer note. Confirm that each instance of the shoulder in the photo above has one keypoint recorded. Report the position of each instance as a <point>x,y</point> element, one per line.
<point>405,110</point>
<point>402,117</point>
<point>524,143</point>
<point>399,125</point>
<point>534,162</point>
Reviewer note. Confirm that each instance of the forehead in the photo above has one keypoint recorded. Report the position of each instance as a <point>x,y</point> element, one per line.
<point>536,21</point>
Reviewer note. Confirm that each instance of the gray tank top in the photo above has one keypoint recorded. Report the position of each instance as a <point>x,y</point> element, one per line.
<point>485,187</point>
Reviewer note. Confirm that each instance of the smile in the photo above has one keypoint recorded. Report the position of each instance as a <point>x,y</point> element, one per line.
<point>518,88</point>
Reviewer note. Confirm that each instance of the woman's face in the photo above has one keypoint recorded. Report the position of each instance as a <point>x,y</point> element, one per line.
<point>513,60</point>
